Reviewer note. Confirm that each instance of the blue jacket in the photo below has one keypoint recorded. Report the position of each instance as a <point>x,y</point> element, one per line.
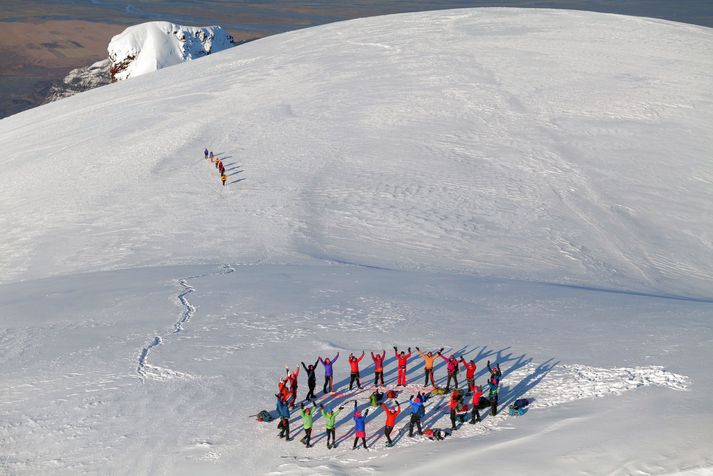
<point>283,409</point>
<point>416,407</point>
<point>360,423</point>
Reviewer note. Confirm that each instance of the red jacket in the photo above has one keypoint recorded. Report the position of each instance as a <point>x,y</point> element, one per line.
<point>402,360</point>
<point>378,361</point>
<point>354,363</point>
<point>452,363</point>
<point>469,368</point>
<point>476,395</point>
<point>454,400</point>
<point>391,414</point>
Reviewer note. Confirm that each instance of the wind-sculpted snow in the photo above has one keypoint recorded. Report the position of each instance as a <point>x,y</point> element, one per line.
<point>526,144</point>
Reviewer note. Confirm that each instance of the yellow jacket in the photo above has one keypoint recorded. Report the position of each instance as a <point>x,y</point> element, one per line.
<point>428,360</point>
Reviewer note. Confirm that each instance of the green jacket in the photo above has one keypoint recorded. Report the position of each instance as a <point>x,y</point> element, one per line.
<point>307,417</point>
<point>329,420</point>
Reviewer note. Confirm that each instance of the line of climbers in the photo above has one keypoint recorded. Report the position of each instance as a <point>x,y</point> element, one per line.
<point>459,408</point>
<point>214,159</point>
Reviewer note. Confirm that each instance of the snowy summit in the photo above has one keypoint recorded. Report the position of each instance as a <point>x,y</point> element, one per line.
<point>527,187</point>
<point>150,46</point>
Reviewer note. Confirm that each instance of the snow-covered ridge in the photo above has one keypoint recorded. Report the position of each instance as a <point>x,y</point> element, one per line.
<point>150,46</point>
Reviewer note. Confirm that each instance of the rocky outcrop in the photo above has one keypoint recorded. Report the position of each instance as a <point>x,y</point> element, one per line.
<point>142,49</point>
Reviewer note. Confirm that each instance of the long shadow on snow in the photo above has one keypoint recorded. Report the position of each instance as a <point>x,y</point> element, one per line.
<point>437,407</point>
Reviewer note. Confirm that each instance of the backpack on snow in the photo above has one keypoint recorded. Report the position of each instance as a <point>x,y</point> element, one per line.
<point>391,394</point>
<point>264,416</point>
<point>438,391</point>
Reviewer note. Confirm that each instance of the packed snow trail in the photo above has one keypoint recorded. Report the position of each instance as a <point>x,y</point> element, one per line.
<point>159,373</point>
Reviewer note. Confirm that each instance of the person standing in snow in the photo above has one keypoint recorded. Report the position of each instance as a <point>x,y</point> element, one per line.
<point>211,156</point>
<point>402,361</point>
<point>330,417</point>
<point>477,393</point>
<point>391,414</point>
<point>283,411</point>
<point>307,419</point>
<point>359,426</point>
<point>217,163</point>
<point>453,405</point>
<point>354,367</point>
<point>452,370</point>
<point>328,372</point>
<point>417,410</point>
<point>205,153</point>
<point>428,359</point>
<point>223,178</point>
<point>292,381</point>
<point>311,378</point>
<point>494,383</point>
<point>470,368</point>
<point>378,367</point>
<point>221,167</point>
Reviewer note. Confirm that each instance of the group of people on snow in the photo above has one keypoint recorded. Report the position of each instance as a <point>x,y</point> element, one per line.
<point>458,404</point>
<point>214,159</point>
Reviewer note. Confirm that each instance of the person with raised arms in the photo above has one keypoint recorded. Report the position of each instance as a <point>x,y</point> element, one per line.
<point>402,361</point>
<point>328,373</point>
<point>428,359</point>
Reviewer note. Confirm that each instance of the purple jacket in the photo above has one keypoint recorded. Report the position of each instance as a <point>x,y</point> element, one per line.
<point>328,371</point>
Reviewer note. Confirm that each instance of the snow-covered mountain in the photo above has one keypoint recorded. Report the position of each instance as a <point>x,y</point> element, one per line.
<point>150,46</point>
<point>142,49</point>
<point>531,187</point>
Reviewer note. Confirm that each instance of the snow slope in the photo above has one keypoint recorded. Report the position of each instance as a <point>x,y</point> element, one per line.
<point>527,186</point>
<point>550,146</point>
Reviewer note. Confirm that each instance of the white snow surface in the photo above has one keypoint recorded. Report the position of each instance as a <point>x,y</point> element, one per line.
<point>154,45</point>
<point>530,187</point>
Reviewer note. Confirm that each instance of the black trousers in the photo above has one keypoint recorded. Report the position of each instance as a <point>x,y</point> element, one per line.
<point>494,405</point>
<point>475,414</point>
<point>387,433</point>
<point>415,421</point>
<point>308,436</point>
<point>428,373</point>
<point>357,439</point>
<point>327,383</point>
<point>453,376</point>
<point>354,378</point>
<point>284,427</point>
<point>453,418</point>
<point>330,431</point>
<point>311,384</point>
<point>378,376</point>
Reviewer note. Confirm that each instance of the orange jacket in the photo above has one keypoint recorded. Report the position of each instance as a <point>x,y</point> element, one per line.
<point>354,362</point>
<point>428,360</point>
<point>391,414</point>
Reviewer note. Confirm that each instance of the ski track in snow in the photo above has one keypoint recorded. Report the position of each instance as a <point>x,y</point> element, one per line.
<point>547,385</point>
<point>144,369</point>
